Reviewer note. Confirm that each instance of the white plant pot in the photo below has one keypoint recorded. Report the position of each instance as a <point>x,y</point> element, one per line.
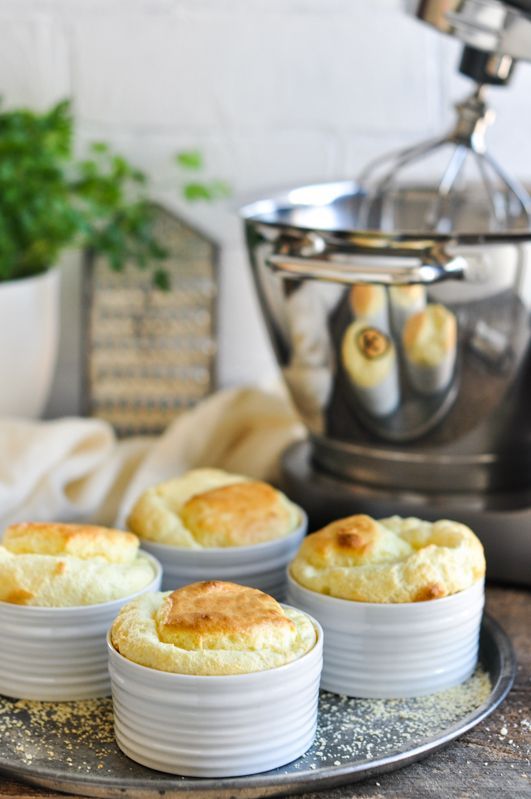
<point>29,337</point>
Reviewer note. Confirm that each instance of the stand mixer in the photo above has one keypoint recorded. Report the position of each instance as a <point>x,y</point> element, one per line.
<point>399,314</point>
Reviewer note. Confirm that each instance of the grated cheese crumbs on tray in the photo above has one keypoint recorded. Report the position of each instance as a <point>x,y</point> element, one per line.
<point>78,737</point>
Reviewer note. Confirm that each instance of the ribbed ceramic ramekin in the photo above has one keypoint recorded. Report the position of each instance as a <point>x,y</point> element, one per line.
<point>59,654</point>
<point>260,566</point>
<point>391,651</point>
<point>216,726</point>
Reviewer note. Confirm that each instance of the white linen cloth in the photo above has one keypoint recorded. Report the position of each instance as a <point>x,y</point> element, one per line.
<point>75,470</point>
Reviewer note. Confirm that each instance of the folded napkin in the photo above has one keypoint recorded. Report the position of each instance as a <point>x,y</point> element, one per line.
<point>75,469</point>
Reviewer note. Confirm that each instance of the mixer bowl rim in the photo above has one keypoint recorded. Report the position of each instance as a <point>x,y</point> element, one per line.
<point>257,212</point>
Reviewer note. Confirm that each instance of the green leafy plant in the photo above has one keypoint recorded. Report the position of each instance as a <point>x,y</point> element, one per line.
<point>49,200</point>
<point>193,190</point>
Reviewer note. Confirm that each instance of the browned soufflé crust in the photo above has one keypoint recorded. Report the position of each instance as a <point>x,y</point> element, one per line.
<point>346,540</point>
<point>79,540</point>
<point>201,614</point>
<point>389,561</point>
<point>241,514</point>
<point>211,628</point>
<point>48,564</point>
<point>211,508</point>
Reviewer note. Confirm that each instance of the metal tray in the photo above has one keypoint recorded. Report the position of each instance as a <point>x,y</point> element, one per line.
<point>70,746</point>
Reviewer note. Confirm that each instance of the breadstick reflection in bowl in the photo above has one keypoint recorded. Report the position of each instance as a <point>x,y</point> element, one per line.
<point>368,303</point>
<point>430,345</point>
<point>369,358</point>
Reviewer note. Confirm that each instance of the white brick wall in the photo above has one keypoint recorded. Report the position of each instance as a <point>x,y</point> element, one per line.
<point>34,67</point>
<point>274,92</point>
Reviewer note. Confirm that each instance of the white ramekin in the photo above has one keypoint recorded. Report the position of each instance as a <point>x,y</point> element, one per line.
<point>216,726</point>
<point>59,654</point>
<point>388,651</point>
<point>260,566</point>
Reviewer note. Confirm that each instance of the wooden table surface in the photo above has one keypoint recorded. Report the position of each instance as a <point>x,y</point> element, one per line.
<point>492,760</point>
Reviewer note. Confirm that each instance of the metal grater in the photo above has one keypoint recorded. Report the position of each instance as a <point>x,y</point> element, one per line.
<point>149,355</point>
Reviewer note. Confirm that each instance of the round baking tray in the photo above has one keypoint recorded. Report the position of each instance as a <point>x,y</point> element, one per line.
<point>70,746</point>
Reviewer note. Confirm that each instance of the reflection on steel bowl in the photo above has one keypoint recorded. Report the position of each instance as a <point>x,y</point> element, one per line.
<point>398,342</point>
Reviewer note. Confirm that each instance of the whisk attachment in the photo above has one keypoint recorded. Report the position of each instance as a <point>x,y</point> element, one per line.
<point>503,203</point>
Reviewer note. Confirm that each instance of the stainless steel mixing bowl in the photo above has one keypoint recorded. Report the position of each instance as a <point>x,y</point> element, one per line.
<point>395,394</point>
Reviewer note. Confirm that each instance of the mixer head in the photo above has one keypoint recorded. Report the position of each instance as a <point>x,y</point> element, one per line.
<point>496,33</point>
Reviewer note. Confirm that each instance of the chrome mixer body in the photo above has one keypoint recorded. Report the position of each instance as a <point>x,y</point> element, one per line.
<point>438,399</point>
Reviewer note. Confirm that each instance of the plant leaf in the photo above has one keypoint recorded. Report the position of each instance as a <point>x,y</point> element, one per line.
<point>190,159</point>
<point>161,279</point>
